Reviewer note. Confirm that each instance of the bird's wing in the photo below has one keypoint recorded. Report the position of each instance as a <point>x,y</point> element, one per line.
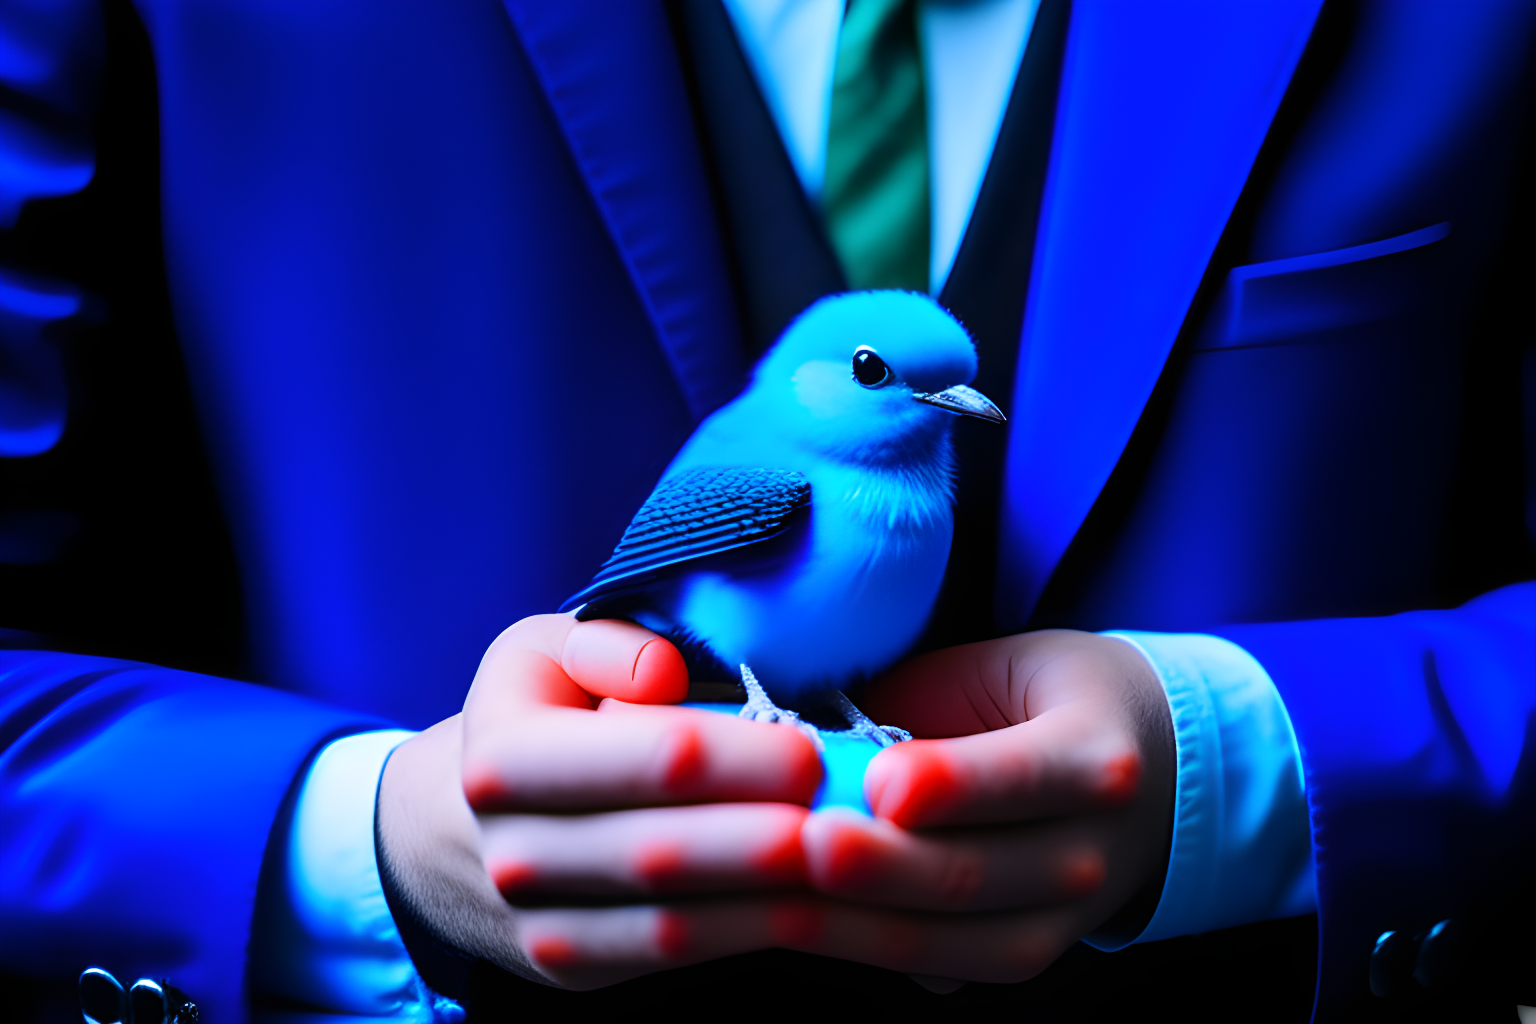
<point>695,514</point>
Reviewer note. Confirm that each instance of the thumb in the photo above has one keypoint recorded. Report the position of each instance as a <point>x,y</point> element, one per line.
<point>609,658</point>
<point>955,691</point>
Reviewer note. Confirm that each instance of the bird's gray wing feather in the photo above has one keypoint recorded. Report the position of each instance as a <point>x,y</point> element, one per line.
<point>695,514</point>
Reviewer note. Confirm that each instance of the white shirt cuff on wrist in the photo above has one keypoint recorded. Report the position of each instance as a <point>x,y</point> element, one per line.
<point>1242,843</point>
<point>335,946</point>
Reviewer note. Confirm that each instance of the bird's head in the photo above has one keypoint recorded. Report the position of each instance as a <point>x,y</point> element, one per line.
<point>872,377</point>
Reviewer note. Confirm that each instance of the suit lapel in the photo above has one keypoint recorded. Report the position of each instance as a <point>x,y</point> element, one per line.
<point>782,258</point>
<point>611,74</point>
<point>1162,110</point>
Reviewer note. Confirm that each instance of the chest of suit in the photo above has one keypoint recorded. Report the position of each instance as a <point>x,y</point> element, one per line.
<point>453,286</point>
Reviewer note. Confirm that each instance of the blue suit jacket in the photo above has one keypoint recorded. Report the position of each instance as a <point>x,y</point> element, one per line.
<point>450,291</point>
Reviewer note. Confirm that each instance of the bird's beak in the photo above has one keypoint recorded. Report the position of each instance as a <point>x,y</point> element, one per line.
<point>964,401</point>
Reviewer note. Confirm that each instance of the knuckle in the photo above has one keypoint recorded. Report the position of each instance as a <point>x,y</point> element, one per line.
<point>1083,872</point>
<point>672,934</point>
<point>853,859</point>
<point>682,759</point>
<point>660,866</point>
<point>1120,776</point>
<point>483,785</point>
<point>512,876</point>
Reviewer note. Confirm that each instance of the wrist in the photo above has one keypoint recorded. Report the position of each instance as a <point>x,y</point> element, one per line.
<point>325,936</point>
<point>1240,848</point>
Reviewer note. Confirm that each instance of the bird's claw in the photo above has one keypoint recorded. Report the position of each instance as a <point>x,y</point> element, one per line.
<point>860,724</point>
<point>761,708</point>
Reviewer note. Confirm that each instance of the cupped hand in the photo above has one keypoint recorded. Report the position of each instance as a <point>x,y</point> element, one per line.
<point>1034,807</point>
<point>1035,803</point>
<point>568,773</point>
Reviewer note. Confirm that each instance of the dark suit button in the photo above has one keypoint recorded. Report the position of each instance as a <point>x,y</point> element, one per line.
<point>1392,963</point>
<point>149,1003</point>
<point>101,997</point>
<point>1439,953</point>
<point>160,1002</point>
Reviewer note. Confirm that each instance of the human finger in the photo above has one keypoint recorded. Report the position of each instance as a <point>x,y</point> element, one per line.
<point>954,691</point>
<point>601,658</point>
<point>586,948</point>
<point>529,744</point>
<point>1070,759</point>
<point>589,947</point>
<point>993,684</point>
<point>709,847</point>
<point>429,844</point>
<point>855,857</point>
<point>609,658</point>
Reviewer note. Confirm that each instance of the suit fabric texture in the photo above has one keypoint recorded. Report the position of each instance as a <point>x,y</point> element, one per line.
<point>452,282</point>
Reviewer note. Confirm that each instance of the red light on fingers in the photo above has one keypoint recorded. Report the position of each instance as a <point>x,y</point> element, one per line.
<point>803,772</point>
<point>855,857</point>
<point>1122,777</point>
<point>511,876</point>
<point>622,660</point>
<point>1084,873</point>
<point>671,934</point>
<point>683,760</point>
<point>912,784</point>
<point>660,865</point>
<point>782,862</point>
<point>483,788</point>
<point>554,952</point>
<point>795,925</point>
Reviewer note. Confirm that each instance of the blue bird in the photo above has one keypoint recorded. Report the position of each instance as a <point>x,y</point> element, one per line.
<point>802,532</point>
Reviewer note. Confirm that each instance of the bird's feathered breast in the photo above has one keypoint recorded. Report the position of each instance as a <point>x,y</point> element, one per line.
<point>695,514</point>
<point>892,499</point>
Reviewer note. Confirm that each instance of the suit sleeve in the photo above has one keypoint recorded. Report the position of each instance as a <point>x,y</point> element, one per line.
<point>1418,741</point>
<point>136,805</point>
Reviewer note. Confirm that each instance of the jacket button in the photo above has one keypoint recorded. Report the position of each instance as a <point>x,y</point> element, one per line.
<point>102,1000</point>
<point>1392,963</point>
<point>160,1002</point>
<point>1438,955</point>
<point>148,1001</point>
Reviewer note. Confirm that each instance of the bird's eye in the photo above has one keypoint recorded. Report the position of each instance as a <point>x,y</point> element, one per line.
<point>868,368</point>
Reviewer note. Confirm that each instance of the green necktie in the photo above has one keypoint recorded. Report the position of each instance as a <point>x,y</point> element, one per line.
<point>875,194</point>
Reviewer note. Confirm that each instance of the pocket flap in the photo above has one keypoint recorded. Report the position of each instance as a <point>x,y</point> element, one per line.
<point>1266,303</point>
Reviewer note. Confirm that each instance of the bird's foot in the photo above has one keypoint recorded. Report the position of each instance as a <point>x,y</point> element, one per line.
<point>761,708</point>
<point>860,724</point>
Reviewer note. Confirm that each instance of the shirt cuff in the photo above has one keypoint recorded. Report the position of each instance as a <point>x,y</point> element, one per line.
<point>1242,841</point>
<point>333,945</point>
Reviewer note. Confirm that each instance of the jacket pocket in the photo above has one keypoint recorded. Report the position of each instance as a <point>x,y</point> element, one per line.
<point>1290,299</point>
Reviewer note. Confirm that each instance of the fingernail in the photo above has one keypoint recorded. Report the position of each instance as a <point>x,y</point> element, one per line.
<point>622,660</point>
